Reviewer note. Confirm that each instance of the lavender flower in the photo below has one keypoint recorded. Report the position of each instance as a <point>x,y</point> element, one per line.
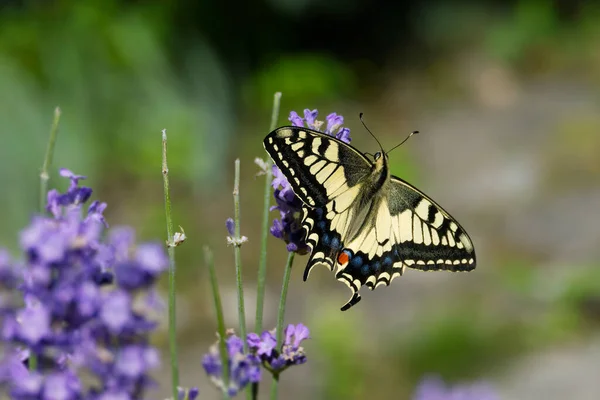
<point>243,368</point>
<point>82,305</point>
<point>232,239</point>
<point>187,394</point>
<point>290,353</point>
<point>434,389</point>
<point>289,227</point>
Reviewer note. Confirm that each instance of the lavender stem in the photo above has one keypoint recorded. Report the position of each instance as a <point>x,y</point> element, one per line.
<point>280,316</point>
<point>262,265</point>
<point>171,251</point>
<point>208,257</point>
<point>237,254</point>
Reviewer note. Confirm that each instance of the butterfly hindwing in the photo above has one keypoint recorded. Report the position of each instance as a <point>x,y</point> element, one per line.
<point>409,230</point>
<point>429,237</point>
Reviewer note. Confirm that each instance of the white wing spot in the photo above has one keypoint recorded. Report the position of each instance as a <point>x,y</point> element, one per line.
<point>325,173</point>
<point>315,144</point>
<point>300,153</point>
<point>405,226</point>
<point>451,241</point>
<point>417,230</point>
<point>435,238</point>
<point>466,242</point>
<point>332,151</point>
<point>316,167</point>
<point>284,133</point>
<point>302,135</point>
<point>297,146</point>
<point>422,209</point>
<point>309,160</point>
<point>426,235</point>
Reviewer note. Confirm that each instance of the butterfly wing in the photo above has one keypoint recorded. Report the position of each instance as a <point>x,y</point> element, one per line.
<point>408,229</point>
<point>319,167</point>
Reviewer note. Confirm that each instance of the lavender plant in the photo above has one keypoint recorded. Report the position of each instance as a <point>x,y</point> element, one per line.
<point>84,304</point>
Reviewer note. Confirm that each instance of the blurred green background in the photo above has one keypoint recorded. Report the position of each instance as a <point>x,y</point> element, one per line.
<point>506,95</point>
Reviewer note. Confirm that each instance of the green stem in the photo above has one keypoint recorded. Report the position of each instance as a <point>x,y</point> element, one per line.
<point>171,251</point>
<point>44,176</point>
<point>237,255</point>
<point>208,257</point>
<point>238,262</point>
<point>287,273</point>
<point>262,265</point>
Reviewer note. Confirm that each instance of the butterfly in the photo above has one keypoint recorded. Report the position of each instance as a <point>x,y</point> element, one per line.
<point>359,219</point>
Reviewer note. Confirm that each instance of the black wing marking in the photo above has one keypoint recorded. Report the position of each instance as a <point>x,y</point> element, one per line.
<point>318,166</point>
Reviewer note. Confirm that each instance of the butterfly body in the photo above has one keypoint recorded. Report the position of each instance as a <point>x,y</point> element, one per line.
<point>360,220</point>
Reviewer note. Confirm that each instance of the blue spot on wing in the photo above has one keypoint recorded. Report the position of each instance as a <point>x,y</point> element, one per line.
<point>356,261</point>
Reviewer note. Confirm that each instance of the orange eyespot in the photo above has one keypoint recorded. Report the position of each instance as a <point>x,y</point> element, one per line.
<point>343,258</point>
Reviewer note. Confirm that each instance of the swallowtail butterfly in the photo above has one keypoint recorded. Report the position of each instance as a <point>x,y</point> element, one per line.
<point>359,219</point>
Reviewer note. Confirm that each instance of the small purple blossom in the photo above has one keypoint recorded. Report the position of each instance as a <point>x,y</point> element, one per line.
<point>187,394</point>
<point>230,225</point>
<point>232,239</point>
<point>76,311</point>
<point>243,368</point>
<point>290,353</point>
<point>433,388</point>
<point>289,227</point>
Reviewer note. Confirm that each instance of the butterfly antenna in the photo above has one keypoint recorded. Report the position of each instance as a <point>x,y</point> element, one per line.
<point>365,125</point>
<point>402,142</point>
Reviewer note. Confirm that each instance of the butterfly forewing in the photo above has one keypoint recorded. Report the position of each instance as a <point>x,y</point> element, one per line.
<point>319,167</point>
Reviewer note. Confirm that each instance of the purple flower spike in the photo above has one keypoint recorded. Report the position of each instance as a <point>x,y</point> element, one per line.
<point>279,359</point>
<point>243,368</point>
<point>289,226</point>
<point>72,320</point>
